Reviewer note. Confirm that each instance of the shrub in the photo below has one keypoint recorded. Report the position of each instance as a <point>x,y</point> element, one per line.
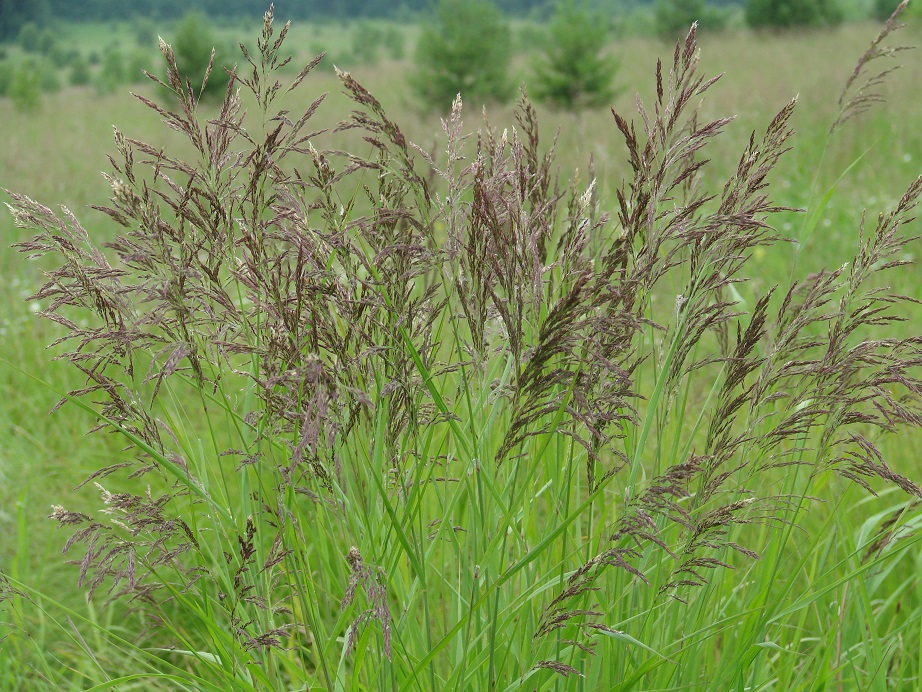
<point>61,56</point>
<point>145,35</point>
<point>464,49</point>
<point>573,72</point>
<point>193,44</point>
<point>331,59</point>
<point>673,17</point>
<point>80,71</point>
<point>393,41</point>
<point>47,42</point>
<point>531,37</point>
<point>791,14</point>
<point>367,39</point>
<point>112,71</point>
<point>48,77</point>
<point>136,64</point>
<point>29,37</point>
<point>7,71</point>
<point>399,423</point>
<point>25,89</point>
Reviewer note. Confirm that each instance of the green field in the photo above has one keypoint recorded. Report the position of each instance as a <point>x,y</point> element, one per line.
<point>813,613</point>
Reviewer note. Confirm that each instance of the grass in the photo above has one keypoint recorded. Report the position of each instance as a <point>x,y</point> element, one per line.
<point>455,477</point>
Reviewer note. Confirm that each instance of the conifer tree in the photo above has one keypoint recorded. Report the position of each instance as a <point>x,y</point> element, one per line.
<point>575,71</point>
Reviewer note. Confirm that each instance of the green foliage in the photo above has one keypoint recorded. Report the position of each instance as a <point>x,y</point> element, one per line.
<point>573,72</point>
<point>80,74</point>
<point>193,44</point>
<point>639,21</point>
<point>464,49</point>
<point>42,41</point>
<point>367,39</point>
<point>137,63</point>
<point>7,72</point>
<point>792,14</point>
<point>25,89</point>
<point>394,42</point>
<point>47,42</point>
<point>882,9</point>
<point>531,37</point>
<point>61,56</point>
<point>118,67</point>
<point>331,60</point>
<point>48,76</point>
<point>673,18</point>
<point>145,35</point>
<point>29,37</point>
<point>112,71</point>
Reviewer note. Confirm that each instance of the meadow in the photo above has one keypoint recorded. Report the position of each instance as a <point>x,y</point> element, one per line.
<point>448,551</point>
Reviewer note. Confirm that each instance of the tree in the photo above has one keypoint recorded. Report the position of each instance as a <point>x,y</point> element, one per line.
<point>112,72</point>
<point>192,46</point>
<point>15,13</point>
<point>790,14</point>
<point>366,40</point>
<point>29,37</point>
<point>882,10</point>
<point>25,90</point>
<point>8,20</point>
<point>79,71</point>
<point>674,17</point>
<point>466,50</point>
<point>393,41</point>
<point>47,42</point>
<point>574,72</point>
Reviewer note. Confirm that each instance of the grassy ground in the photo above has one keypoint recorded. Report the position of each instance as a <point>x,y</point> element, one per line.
<point>55,155</point>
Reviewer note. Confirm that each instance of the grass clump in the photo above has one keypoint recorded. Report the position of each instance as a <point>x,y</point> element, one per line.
<point>398,420</point>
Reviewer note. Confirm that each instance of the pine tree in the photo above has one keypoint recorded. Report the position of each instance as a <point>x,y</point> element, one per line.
<point>575,72</point>
<point>466,50</point>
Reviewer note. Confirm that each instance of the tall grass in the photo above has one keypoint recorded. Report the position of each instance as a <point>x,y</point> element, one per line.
<point>423,419</point>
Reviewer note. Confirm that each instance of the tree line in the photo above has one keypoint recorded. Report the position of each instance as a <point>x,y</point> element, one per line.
<point>15,13</point>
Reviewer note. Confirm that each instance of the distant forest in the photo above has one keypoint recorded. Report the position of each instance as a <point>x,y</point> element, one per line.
<point>14,13</point>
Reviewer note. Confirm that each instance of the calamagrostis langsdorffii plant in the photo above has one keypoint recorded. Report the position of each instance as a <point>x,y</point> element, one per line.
<point>408,419</point>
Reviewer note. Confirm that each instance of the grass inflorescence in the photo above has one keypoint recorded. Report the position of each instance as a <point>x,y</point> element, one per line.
<point>434,418</point>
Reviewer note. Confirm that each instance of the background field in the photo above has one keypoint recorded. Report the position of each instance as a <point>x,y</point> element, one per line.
<point>55,154</point>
